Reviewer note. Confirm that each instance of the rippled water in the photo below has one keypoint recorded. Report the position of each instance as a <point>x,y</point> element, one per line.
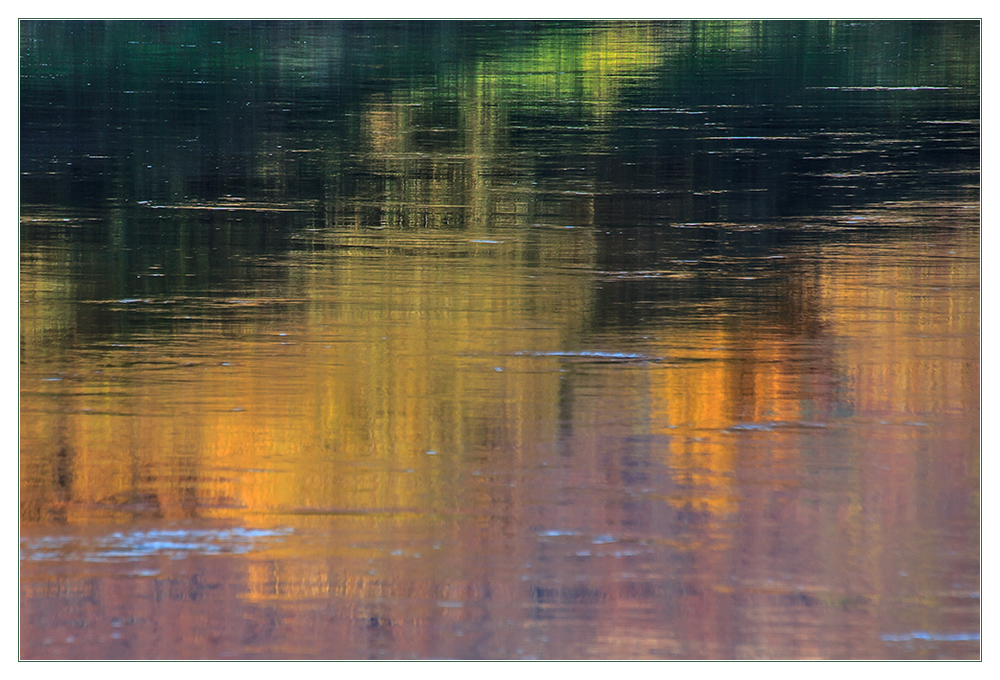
<point>517,340</point>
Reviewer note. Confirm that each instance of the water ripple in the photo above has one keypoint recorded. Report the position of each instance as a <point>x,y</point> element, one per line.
<point>173,543</point>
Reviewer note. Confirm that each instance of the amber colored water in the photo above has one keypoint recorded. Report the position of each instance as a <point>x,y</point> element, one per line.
<point>494,341</point>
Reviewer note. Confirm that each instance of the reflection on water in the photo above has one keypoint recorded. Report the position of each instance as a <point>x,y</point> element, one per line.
<point>176,543</point>
<point>448,340</point>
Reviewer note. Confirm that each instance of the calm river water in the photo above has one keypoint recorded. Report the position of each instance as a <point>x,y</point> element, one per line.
<point>511,340</point>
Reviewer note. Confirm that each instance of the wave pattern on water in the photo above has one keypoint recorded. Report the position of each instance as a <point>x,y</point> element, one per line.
<point>133,545</point>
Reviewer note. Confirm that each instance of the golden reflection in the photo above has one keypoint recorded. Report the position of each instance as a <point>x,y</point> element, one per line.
<point>907,365</point>
<point>395,355</point>
<point>746,380</point>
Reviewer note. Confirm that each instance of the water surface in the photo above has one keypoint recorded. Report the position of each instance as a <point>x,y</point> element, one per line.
<point>514,340</point>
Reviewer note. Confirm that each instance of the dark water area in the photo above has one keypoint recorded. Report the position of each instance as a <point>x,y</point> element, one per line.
<point>511,340</point>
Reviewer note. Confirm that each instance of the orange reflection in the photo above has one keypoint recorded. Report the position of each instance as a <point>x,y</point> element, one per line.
<point>373,401</point>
